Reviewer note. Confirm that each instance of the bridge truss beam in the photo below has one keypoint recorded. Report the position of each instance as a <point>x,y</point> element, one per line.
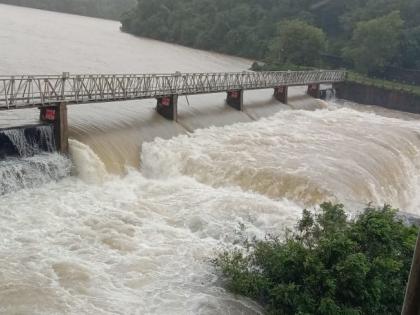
<point>39,91</point>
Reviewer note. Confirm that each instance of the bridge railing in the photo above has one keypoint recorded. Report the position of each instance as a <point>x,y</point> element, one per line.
<point>35,90</point>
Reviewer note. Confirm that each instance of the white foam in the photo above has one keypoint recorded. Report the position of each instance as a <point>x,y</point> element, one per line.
<point>141,244</point>
<point>306,156</point>
<point>87,165</point>
<point>30,172</point>
<point>132,245</point>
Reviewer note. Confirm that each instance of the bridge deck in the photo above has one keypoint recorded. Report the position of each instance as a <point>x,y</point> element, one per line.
<point>43,90</point>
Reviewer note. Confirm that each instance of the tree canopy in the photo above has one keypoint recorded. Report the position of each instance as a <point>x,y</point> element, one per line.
<point>253,28</point>
<point>330,265</point>
<point>298,43</point>
<point>375,43</point>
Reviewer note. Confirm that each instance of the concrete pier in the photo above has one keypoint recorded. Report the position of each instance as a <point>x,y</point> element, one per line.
<point>167,106</point>
<point>314,90</point>
<point>281,94</point>
<point>235,99</point>
<point>58,116</point>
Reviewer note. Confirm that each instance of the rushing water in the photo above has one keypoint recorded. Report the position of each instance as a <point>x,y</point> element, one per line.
<point>151,201</point>
<point>38,139</point>
<point>31,165</point>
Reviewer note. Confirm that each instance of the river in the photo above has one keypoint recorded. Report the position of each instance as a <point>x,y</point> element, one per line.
<point>130,224</point>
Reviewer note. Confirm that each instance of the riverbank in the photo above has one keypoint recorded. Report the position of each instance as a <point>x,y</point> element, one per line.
<point>362,89</point>
<point>103,9</point>
<point>388,96</point>
<point>383,84</point>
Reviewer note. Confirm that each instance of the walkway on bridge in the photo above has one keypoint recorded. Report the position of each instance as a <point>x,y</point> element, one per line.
<point>52,93</point>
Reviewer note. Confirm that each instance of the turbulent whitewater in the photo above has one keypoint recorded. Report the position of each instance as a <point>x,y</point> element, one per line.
<point>305,156</point>
<point>129,224</point>
<point>141,243</point>
<point>33,165</point>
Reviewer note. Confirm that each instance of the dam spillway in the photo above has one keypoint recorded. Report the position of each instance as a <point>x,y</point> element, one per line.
<point>151,200</point>
<point>52,93</point>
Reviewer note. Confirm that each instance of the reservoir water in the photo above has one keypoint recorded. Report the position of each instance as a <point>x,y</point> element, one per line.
<point>129,224</point>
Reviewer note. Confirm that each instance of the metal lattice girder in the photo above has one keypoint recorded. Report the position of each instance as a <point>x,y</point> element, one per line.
<point>38,90</point>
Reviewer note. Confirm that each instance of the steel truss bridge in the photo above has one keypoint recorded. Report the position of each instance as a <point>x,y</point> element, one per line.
<point>25,91</point>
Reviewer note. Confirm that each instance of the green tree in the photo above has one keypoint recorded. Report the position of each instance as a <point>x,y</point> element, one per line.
<point>375,43</point>
<point>329,265</point>
<point>410,48</point>
<point>248,28</point>
<point>298,43</point>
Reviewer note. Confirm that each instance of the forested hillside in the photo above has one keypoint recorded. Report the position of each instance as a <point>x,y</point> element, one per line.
<point>111,9</point>
<point>369,34</point>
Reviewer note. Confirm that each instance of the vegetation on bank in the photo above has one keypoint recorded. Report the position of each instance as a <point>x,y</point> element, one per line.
<point>352,76</point>
<point>383,84</point>
<point>368,35</point>
<point>329,264</point>
<point>371,37</point>
<point>109,9</point>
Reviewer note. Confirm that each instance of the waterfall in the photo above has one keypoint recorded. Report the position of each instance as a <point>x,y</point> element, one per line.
<point>28,158</point>
<point>46,135</point>
<point>33,171</point>
<point>29,141</point>
<point>330,95</point>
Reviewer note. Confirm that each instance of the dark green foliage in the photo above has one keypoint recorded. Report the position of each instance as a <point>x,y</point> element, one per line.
<point>251,27</point>
<point>328,265</point>
<point>410,47</point>
<point>375,43</point>
<point>298,43</point>
<point>111,9</point>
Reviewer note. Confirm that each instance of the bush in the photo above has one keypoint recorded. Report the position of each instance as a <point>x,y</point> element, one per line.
<point>298,43</point>
<point>375,43</point>
<point>328,265</point>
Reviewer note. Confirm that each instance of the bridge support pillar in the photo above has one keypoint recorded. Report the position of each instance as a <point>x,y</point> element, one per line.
<point>235,99</point>
<point>314,90</point>
<point>58,116</point>
<point>281,93</point>
<point>167,106</point>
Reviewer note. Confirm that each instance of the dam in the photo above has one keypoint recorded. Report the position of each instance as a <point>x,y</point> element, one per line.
<point>52,94</point>
<point>129,223</point>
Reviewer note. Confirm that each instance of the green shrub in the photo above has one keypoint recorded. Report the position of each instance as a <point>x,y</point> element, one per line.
<point>299,43</point>
<point>328,265</point>
<point>375,43</point>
